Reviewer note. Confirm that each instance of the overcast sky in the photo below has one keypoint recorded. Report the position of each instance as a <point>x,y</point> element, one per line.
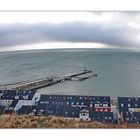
<point>46,30</point>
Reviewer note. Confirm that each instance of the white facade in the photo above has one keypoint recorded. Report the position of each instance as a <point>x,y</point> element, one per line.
<point>5,102</point>
<point>28,102</point>
<point>115,112</point>
<point>84,115</point>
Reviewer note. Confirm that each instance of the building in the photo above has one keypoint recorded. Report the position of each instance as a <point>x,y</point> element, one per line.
<point>129,109</point>
<point>12,100</point>
<point>76,107</point>
<point>30,102</point>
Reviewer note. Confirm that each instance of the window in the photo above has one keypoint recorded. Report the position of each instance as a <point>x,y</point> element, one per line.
<point>96,105</point>
<point>129,99</point>
<point>136,105</point>
<point>66,113</point>
<point>73,113</point>
<point>83,114</point>
<point>72,103</point>
<point>105,105</point>
<point>81,98</point>
<point>70,97</point>
<point>129,105</point>
<point>96,109</point>
<point>100,104</point>
<point>91,105</point>
<point>122,105</point>
<point>82,103</point>
<point>67,103</point>
<point>109,118</point>
<point>101,110</point>
<point>77,103</point>
<point>127,119</point>
<point>16,97</point>
<point>105,110</point>
<point>131,112</point>
<point>41,110</point>
<point>42,102</point>
<point>105,118</point>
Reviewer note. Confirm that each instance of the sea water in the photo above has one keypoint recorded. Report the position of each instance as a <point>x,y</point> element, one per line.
<point>118,70</point>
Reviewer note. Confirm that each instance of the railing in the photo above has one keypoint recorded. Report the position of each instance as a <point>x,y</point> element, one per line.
<point>45,82</point>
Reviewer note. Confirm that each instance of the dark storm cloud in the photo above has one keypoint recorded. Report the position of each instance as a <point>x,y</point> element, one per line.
<point>21,34</point>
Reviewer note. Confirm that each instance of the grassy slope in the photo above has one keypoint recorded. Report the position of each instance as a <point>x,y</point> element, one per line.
<point>15,121</point>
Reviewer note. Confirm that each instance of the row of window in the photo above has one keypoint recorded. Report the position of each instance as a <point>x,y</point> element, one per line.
<point>101,110</point>
<point>81,98</point>
<point>5,102</point>
<point>108,118</point>
<point>131,119</point>
<point>129,105</point>
<point>72,103</point>
<point>98,105</point>
<point>130,99</point>
<point>66,113</point>
<point>10,96</point>
<point>14,91</point>
<point>127,113</point>
<point>44,102</point>
<point>99,118</point>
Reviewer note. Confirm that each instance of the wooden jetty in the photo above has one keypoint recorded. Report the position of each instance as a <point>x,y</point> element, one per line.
<point>37,84</point>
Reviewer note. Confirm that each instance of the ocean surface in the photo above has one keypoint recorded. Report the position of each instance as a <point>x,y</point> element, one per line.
<point>118,70</point>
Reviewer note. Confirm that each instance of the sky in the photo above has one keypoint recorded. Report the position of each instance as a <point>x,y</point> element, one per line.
<point>51,30</point>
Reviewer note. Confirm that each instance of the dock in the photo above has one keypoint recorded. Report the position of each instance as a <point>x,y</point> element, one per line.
<point>48,81</point>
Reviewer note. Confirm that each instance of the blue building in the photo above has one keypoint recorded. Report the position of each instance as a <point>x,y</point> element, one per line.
<point>86,108</point>
<point>12,100</point>
<point>72,106</point>
<point>129,109</point>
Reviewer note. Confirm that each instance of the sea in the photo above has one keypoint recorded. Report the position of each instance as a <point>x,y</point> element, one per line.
<point>118,70</point>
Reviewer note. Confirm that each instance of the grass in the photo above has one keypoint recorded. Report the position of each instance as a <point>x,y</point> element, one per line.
<point>27,121</point>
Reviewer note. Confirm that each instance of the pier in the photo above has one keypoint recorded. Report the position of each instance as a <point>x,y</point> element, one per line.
<point>37,84</point>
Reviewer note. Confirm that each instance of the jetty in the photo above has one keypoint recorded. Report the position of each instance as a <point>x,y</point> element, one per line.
<point>48,81</point>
